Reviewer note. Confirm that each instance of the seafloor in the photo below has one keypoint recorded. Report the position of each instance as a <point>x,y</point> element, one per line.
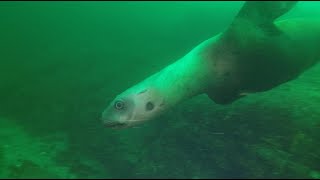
<point>275,134</point>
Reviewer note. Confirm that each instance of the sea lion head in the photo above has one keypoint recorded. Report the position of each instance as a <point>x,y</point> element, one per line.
<point>131,108</point>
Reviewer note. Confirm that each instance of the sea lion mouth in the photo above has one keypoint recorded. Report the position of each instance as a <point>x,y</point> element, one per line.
<point>114,125</point>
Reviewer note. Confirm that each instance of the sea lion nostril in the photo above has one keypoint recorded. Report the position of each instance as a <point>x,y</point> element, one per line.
<point>149,106</point>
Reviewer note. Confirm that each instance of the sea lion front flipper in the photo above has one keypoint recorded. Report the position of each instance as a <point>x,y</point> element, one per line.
<point>242,50</point>
<point>262,14</point>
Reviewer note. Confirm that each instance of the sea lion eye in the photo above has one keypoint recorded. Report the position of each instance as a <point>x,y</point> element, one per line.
<point>119,105</point>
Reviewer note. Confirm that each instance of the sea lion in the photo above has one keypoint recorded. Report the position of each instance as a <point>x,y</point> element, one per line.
<point>254,54</point>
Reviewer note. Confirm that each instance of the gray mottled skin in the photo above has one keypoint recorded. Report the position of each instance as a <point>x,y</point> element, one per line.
<point>256,53</point>
<point>255,61</point>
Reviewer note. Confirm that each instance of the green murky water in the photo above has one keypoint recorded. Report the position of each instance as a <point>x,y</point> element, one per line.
<point>61,63</point>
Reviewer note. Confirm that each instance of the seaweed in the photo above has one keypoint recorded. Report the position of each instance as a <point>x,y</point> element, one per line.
<point>28,169</point>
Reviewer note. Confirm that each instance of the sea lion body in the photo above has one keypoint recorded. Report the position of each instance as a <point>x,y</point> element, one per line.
<point>254,64</point>
<point>255,54</point>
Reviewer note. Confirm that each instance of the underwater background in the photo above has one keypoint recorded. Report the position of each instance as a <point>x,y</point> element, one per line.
<point>61,63</point>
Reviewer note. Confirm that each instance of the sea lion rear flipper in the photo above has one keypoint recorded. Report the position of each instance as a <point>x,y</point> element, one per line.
<point>262,14</point>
